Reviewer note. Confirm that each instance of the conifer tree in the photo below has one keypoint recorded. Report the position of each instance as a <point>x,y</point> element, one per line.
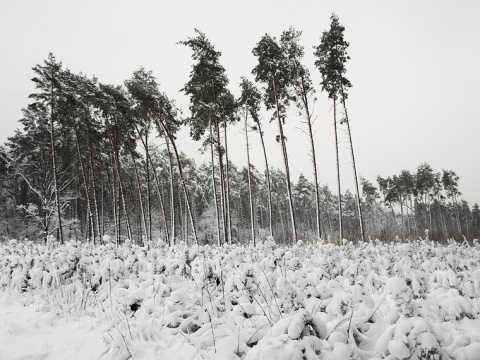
<point>48,83</point>
<point>304,96</point>
<point>211,106</point>
<point>331,57</point>
<point>275,71</point>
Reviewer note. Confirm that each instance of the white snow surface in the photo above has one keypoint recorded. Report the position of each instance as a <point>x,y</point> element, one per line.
<point>402,300</point>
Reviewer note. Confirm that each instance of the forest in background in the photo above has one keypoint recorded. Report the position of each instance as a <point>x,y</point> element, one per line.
<point>95,159</point>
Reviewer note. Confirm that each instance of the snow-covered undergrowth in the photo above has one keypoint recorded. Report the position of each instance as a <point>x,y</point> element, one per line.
<point>416,300</point>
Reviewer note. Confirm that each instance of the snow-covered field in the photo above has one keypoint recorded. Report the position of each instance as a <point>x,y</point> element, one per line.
<point>417,300</point>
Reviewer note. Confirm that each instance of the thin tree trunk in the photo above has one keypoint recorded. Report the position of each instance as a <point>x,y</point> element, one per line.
<point>140,200</point>
<point>55,168</point>
<point>314,160</point>
<point>267,171</point>
<point>160,199</point>
<point>103,205</point>
<point>148,224</point>
<point>92,179</point>
<point>252,219</point>
<point>227,187</point>
<point>149,193</point>
<point>401,212</point>
<point>186,220</point>
<point>222,184</point>
<point>442,218</point>
<point>122,195</point>
<point>287,169</point>
<point>360,216</point>
<point>413,215</point>
<point>182,179</point>
<point>394,218</point>
<point>340,225</point>
<point>429,212</point>
<point>375,221</point>
<point>138,222</point>
<point>172,199</point>
<point>159,192</point>
<point>329,217</point>
<point>86,183</point>
<point>457,216</point>
<point>217,212</point>
<point>408,217</point>
<point>115,205</point>
<point>180,214</point>
<point>282,222</point>
<point>116,173</point>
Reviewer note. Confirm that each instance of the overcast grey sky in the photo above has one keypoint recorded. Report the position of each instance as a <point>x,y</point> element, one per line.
<point>414,68</point>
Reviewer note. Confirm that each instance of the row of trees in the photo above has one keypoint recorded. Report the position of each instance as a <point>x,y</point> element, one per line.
<point>381,205</point>
<point>426,199</point>
<point>88,161</point>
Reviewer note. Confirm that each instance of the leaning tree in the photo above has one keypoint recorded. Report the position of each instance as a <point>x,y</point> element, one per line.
<point>331,57</point>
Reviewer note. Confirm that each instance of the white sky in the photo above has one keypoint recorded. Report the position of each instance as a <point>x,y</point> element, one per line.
<point>414,68</point>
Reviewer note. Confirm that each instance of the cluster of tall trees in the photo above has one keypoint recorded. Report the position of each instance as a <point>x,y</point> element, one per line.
<point>95,159</point>
<point>427,199</point>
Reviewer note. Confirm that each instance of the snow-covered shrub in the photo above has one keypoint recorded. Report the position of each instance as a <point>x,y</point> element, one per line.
<point>297,336</point>
<point>415,300</point>
<point>413,338</point>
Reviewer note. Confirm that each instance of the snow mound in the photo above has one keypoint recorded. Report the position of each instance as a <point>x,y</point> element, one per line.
<point>297,336</point>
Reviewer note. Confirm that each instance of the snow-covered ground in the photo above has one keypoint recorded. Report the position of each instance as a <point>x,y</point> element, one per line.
<point>416,300</point>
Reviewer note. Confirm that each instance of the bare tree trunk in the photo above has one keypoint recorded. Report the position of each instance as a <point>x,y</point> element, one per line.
<point>159,191</point>
<point>140,200</point>
<point>329,217</point>
<point>103,205</point>
<point>160,196</point>
<point>408,216</point>
<point>429,212</point>
<point>375,221</point>
<point>122,196</point>
<point>124,203</point>
<point>414,215</point>
<point>401,212</point>
<point>149,193</point>
<point>340,225</point>
<point>360,216</point>
<point>287,169</point>
<point>314,160</point>
<point>457,215</point>
<point>55,167</point>
<point>252,217</point>
<point>182,178</point>
<point>161,201</point>
<point>217,212</point>
<point>180,214</point>
<point>115,205</point>
<point>267,172</point>
<point>186,220</point>
<point>138,222</point>
<point>282,222</point>
<point>172,199</point>
<point>442,218</point>
<point>222,184</point>
<point>86,183</point>
<point>394,218</point>
<point>227,187</point>
<point>92,179</point>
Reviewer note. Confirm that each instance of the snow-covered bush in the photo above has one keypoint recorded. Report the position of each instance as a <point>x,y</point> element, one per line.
<point>416,300</point>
